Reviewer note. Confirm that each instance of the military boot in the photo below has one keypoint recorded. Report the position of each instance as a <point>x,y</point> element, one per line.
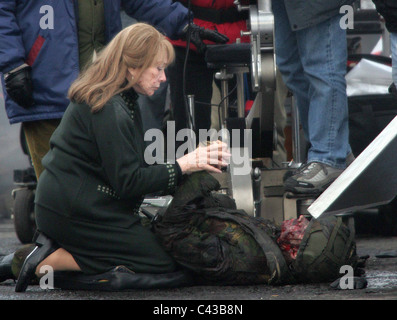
<point>10,265</point>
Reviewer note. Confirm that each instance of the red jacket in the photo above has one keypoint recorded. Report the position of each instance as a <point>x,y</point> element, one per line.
<point>230,29</point>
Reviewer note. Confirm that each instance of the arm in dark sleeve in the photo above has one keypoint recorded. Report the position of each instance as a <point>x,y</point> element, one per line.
<point>12,51</point>
<point>168,17</point>
<point>121,157</point>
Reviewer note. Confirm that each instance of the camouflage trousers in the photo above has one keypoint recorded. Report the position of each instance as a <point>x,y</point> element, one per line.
<point>212,243</point>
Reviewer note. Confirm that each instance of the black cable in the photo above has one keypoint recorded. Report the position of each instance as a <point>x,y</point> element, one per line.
<point>189,116</point>
<point>219,104</point>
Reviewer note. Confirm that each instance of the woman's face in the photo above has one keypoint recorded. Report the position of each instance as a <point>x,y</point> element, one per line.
<point>150,79</point>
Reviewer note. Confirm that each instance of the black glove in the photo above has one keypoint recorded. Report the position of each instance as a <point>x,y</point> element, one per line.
<point>198,34</point>
<point>19,87</point>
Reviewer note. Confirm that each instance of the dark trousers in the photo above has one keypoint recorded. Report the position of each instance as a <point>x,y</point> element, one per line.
<point>38,134</point>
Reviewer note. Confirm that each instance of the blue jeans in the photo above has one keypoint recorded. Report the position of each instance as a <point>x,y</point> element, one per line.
<point>393,44</point>
<point>313,62</point>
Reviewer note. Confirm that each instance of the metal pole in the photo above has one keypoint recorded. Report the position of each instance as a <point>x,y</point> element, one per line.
<point>240,95</point>
<point>296,145</point>
<point>265,5</point>
<point>191,120</point>
<point>190,102</point>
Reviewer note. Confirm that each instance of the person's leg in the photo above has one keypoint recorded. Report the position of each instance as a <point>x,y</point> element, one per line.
<point>313,65</point>
<point>59,260</point>
<point>304,58</point>
<point>97,248</point>
<point>289,63</point>
<point>38,134</point>
<point>323,53</point>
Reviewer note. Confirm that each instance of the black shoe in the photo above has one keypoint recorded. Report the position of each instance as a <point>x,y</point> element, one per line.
<point>5,267</point>
<point>313,178</point>
<point>44,247</point>
<point>121,278</point>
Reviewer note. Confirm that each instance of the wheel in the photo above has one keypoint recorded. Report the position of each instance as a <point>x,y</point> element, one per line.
<point>24,218</point>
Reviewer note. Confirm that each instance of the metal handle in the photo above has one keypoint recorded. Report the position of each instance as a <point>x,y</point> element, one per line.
<point>239,6</point>
<point>245,33</point>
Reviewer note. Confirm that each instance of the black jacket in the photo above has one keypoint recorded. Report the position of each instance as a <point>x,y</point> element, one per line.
<point>388,9</point>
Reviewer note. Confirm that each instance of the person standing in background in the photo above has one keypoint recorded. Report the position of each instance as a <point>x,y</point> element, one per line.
<point>311,54</point>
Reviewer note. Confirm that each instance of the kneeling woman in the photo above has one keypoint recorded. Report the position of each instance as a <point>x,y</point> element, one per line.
<point>95,176</point>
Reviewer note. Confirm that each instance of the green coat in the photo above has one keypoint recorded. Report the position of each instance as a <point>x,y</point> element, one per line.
<point>95,180</point>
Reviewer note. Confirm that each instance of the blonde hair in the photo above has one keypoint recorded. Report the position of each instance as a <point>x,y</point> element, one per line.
<point>136,46</point>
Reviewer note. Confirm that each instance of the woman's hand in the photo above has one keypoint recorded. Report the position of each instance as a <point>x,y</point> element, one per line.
<point>210,158</point>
